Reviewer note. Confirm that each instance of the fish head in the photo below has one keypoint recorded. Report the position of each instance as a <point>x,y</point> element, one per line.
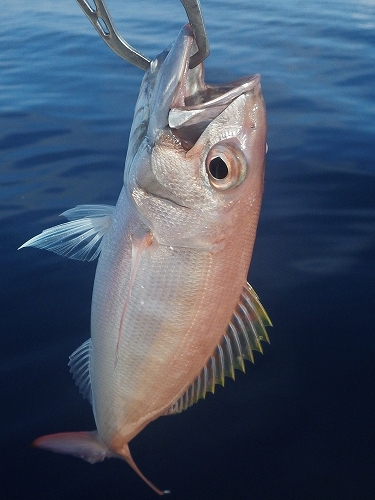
<point>195,164</point>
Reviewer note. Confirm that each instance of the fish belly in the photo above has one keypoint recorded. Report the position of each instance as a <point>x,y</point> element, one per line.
<point>153,333</point>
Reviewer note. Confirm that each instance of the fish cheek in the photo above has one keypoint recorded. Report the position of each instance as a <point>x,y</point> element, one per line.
<point>179,173</point>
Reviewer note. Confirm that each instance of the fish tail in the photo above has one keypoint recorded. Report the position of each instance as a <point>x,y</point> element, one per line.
<point>87,445</point>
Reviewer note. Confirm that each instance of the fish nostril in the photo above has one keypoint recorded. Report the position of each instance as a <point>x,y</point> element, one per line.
<point>218,168</point>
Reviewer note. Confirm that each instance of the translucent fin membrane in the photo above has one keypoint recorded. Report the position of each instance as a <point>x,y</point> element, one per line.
<point>79,363</point>
<point>244,334</point>
<point>79,239</point>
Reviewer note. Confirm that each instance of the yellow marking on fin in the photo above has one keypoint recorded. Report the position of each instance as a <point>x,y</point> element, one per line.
<point>244,333</point>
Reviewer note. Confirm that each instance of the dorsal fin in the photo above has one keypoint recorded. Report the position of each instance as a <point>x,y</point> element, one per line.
<point>243,336</point>
<point>79,362</point>
<point>80,238</point>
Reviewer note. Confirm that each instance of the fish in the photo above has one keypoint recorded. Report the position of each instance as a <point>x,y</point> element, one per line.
<point>172,312</point>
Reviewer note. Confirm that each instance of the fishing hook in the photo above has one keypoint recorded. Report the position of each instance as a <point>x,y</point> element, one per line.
<point>194,13</point>
<point>102,22</point>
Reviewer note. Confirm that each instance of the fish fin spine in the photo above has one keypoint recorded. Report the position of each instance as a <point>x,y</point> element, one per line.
<point>245,332</point>
<point>79,363</point>
<point>81,238</point>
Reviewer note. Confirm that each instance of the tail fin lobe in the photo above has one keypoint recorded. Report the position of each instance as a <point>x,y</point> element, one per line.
<point>125,454</point>
<point>87,445</point>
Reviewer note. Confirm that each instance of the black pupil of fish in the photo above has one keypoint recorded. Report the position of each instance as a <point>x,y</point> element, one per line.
<point>218,168</point>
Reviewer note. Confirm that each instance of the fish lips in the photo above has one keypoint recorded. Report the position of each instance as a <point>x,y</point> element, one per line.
<point>188,120</point>
<point>181,101</point>
<point>164,77</point>
<point>195,104</point>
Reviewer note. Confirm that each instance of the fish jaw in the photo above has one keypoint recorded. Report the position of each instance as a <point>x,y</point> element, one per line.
<point>175,182</point>
<point>157,91</point>
<point>179,122</point>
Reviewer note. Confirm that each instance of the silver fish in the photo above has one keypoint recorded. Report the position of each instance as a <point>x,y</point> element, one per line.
<point>172,312</point>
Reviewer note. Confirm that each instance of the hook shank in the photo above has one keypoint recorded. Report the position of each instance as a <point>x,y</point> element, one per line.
<point>102,22</point>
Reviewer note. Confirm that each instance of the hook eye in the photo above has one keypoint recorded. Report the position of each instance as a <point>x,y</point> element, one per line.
<point>103,24</point>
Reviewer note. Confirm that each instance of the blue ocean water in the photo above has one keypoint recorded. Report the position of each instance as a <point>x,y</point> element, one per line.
<point>300,423</point>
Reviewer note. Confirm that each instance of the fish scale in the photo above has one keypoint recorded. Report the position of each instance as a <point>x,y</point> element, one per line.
<point>172,313</point>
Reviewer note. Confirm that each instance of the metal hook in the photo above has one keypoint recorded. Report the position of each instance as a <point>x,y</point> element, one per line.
<point>102,22</point>
<point>194,13</point>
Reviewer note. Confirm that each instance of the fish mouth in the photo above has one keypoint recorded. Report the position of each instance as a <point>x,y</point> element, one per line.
<point>188,122</point>
<point>175,106</point>
<point>176,99</point>
<point>181,101</point>
<point>196,104</point>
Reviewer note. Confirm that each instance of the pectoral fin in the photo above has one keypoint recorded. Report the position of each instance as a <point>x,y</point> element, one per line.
<point>244,334</point>
<point>79,239</point>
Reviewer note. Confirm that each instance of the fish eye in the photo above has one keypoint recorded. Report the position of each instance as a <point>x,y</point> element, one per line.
<point>225,165</point>
<point>218,168</point>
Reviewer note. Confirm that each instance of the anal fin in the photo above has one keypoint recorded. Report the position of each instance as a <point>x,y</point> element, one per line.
<point>79,362</point>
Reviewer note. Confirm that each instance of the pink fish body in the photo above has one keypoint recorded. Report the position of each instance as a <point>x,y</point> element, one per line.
<point>172,312</point>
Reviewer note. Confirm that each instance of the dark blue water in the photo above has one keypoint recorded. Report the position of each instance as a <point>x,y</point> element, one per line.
<point>300,423</point>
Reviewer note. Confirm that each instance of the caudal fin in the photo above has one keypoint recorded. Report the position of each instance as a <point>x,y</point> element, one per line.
<point>87,446</point>
<point>84,445</point>
<point>125,454</point>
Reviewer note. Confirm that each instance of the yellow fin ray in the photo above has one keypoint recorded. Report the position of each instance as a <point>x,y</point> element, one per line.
<point>244,334</point>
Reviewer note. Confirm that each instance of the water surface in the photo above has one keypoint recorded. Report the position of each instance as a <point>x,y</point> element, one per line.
<point>299,423</point>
